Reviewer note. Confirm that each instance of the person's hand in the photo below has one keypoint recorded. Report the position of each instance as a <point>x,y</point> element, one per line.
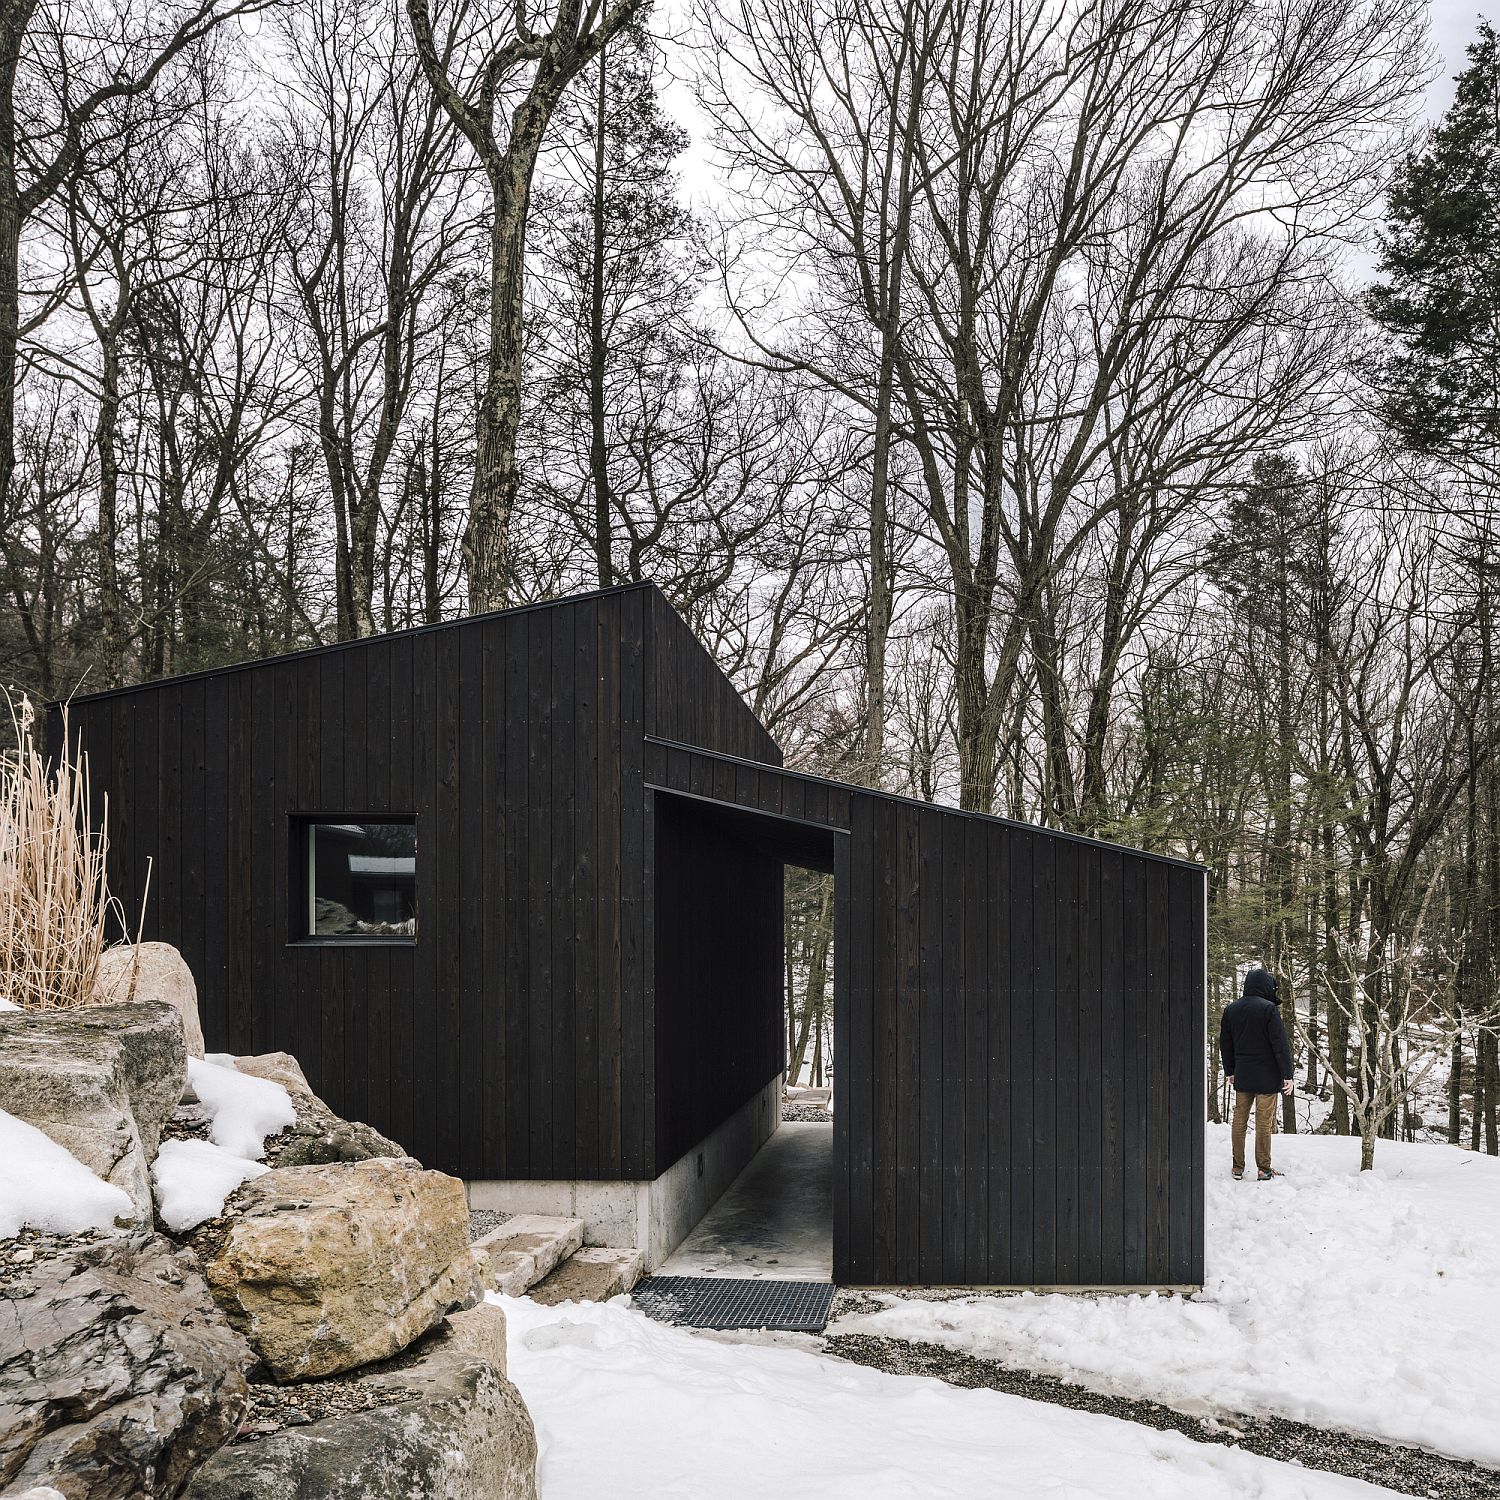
<point>1230,1080</point>
<point>1289,1085</point>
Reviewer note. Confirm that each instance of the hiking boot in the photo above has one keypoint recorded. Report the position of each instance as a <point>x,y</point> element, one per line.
<point>1239,1174</point>
<point>1268,1174</point>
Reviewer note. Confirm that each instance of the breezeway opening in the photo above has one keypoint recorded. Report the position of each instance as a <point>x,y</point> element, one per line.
<point>720,914</point>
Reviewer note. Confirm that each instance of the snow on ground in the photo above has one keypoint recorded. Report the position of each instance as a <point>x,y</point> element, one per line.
<point>44,1186</point>
<point>1369,1302</point>
<point>245,1109</point>
<point>632,1409</point>
<point>193,1178</point>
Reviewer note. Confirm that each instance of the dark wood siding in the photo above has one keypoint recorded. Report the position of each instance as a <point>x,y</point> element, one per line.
<point>512,1039</point>
<point>690,700</point>
<point>1019,1040</point>
<point>596,980</point>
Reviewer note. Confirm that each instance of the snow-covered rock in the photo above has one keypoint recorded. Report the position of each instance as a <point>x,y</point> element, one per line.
<point>244,1109</point>
<point>101,1083</point>
<point>318,1135</point>
<point>193,1178</point>
<point>45,1187</point>
<point>151,971</point>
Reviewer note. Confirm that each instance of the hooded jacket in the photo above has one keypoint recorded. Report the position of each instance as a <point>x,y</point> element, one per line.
<point>1252,1040</point>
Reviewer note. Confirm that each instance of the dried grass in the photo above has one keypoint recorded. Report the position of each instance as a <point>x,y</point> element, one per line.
<point>54,895</point>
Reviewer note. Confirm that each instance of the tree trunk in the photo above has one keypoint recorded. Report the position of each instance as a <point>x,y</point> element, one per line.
<point>1367,1136</point>
<point>488,564</point>
<point>15,16</point>
<point>106,428</point>
<point>1491,1046</point>
<point>598,450</point>
<point>1455,1091</point>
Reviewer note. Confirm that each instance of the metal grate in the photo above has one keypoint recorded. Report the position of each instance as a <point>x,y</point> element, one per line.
<point>729,1302</point>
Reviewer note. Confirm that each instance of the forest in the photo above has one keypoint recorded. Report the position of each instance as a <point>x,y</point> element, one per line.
<point>1083,411</point>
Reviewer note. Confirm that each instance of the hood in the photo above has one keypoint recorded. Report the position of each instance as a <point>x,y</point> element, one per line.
<point>1263,983</point>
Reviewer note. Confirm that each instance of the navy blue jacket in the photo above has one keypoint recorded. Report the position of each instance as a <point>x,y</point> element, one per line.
<point>1252,1040</point>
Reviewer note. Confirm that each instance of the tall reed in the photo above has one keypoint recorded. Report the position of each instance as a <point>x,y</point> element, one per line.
<point>54,896</point>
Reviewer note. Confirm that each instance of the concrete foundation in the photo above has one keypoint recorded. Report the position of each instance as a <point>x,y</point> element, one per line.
<point>652,1217</point>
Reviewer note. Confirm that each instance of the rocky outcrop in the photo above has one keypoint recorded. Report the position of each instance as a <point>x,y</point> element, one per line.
<point>118,1374</point>
<point>459,1432</point>
<point>151,972</point>
<point>475,1330</point>
<point>99,1082</point>
<point>325,1268</point>
<point>319,1135</point>
<point>277,1067</point>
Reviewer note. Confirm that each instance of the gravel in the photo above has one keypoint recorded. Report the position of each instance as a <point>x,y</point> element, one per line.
<point>805,1114</point>
<point>483,1220</point>
<point>1412,1471</point>
<point>274,1408</point>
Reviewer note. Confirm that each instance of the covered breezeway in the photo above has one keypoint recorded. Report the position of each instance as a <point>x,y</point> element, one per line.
<point>1019,1027</point>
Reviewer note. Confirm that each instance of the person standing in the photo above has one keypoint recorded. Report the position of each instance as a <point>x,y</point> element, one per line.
<point>1258,1064</point>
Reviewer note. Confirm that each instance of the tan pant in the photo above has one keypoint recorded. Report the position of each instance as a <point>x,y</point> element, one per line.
<point>1265,1113</point>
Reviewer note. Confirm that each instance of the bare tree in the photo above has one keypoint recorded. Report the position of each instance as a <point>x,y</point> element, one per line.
<point>478,71</point>
<point>381,223</point>
<point>62,62</point>
<point>1116,270</point>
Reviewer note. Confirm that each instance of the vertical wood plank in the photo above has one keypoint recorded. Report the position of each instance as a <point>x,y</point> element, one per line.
<point>1158,1063</point>
<point>1022,1047</point>
<point>1044,1061</point>
<point>1067,1078</point>
<point>1134,1067</point>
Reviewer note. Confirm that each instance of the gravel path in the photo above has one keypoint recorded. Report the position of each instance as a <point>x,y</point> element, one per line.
<point>1412,1471</point>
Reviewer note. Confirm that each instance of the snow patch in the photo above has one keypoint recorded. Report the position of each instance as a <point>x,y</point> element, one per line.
<point>8,1004</point>
<point>1365,1301</point>
<point>193,1178</point>
<point>44,1186</point>
<point>624,1406</point>
<point>245,1109</point>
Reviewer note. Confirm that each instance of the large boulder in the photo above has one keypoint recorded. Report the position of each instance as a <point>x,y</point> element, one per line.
<point>319,1135</point>
<point>99,1082</point>
<point>278,1067</point>
<point>324,1268</point>
<point>450,1426</point>
<point>151,971</point>
<point>118,1374</point>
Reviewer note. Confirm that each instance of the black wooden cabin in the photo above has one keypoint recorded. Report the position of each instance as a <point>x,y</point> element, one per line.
<point>510,888</point>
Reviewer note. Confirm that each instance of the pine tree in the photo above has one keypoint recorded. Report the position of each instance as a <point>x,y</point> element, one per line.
<point>1265,560</point>
<point>1440,267</point>
<point>619,275</point>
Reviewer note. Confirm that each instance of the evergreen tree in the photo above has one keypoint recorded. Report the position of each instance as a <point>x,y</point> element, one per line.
<point>1265,560</point>
<point>1440,266</point>
<point>618,275</point>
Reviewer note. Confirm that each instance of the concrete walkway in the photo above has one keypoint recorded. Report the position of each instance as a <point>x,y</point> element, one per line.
<point>775,1223</point>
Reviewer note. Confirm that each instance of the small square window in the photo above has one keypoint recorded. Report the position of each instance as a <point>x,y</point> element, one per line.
<point>361,880</point>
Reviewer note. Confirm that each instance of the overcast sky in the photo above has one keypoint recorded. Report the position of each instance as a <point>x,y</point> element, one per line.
<point>1454,23</point>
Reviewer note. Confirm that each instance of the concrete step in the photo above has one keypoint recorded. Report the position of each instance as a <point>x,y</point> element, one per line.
<point>592,1274</point>
<point>527,1248</point>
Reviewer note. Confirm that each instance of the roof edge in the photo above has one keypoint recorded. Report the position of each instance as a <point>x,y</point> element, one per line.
<point>956,812</point>
<point>645,585</point>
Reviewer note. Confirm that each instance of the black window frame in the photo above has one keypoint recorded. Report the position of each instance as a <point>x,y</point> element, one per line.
<point>299,885</point>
